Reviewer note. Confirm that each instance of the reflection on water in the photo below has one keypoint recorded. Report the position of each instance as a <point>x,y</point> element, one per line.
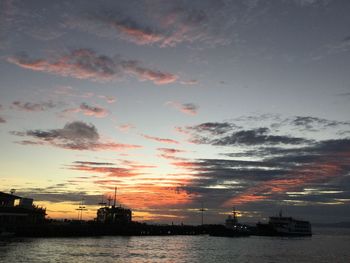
<point>325,246</point>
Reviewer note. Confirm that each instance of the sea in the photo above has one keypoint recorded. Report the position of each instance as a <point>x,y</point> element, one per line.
<point>326,245</point>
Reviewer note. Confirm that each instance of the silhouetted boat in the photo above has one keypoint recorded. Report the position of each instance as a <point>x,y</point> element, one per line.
<point>231,228</point>
<point>284,226</point>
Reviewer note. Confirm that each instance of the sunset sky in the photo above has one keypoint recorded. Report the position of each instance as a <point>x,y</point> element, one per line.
<point>241,103</point>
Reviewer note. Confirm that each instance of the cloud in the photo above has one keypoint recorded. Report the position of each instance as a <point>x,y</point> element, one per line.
<point>258,136</point>
<point>133,67</point>
<point>138,188</point>
<point>69,91</point>
<point>108,169</point>
<point>33,107</point>
<point>88,110</point>
<point>162,140</point>
<point>86,64</point>
<point>169,153</point>
<point>136,33</point>
<point>187,108</point>
<point>214,128</point>
<point>108,99</point>
<point>126,127</point>
<point>75,136</point>
<point>165,24</point>
<point>272,130</point>
<point>92,163</point>
<point>330,162</point>
<point>314,123</point>
<point>273,176</point>
<point>189,82</point>
<point>2,120</point>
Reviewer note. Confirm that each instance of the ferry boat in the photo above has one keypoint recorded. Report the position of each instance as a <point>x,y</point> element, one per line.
<point>231,228</point>
<point>284,226</point>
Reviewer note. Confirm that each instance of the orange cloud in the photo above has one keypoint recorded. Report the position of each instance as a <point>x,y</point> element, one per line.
<point>318,172</point>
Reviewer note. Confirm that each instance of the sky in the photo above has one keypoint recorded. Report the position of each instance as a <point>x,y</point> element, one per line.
<point>178,104</point>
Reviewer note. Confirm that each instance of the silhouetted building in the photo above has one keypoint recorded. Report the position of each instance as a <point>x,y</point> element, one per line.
<point>16,210</point>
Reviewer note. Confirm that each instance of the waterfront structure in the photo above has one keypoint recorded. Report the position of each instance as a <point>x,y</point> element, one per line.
<point>16,210</point>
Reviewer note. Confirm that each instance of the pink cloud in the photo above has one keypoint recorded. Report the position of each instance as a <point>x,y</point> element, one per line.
<point>88,110</point>
<point>162,140</point>
<point>108,99</point>
<point>126,127</point>
<point>137,35</point>
<point>158,77</point>
<point>86,64</point>
<point>187,108</point>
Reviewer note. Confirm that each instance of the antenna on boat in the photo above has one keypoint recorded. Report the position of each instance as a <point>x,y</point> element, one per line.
<point>80,209</point>
<point>102,203</point>
<point>234,212</point>
<point>109,200</point>
<point>115,196</point>
<point>202,211</point>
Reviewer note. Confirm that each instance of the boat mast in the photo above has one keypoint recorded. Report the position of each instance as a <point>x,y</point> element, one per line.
<point>115,196</point>
<point>234,212</point>
<point>202,211</point>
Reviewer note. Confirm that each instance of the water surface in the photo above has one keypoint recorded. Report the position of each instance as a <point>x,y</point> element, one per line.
<point>330,245</point>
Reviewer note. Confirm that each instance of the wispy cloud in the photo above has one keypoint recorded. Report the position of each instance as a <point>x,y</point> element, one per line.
<point>33,107</point>
<point>170,153</point>
<point>87,64</point>
<point>158,139</point>
<point>74,136</point>
<point>189,82</point>
<point>108,99</point>
<point>167,25</point>
<point>88,110</point>
<point>126,127</point>
<point>187,108</point>
<point>2,120</point>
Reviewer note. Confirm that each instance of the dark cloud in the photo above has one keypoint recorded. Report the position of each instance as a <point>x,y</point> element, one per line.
<point>165,24</point>
<point>257,136</point>
<point>214,128</point>
<point>32,107</point>
<point>86,64</point>
<point>59,195</point>
<point>273,177</point>
<point>2,120</point>
<point>75,136</point>
<point>314,123</point>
